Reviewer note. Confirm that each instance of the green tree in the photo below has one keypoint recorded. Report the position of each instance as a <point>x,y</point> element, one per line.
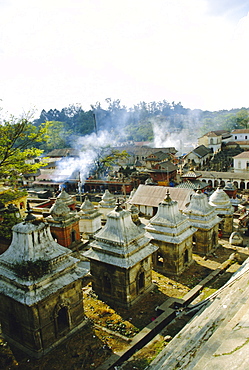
<point>107,158</point>
<point>18,138</point>
<point>57,135</point>
<point>242,118</point>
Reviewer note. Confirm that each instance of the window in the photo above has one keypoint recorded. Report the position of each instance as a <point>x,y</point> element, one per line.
<point>159,260</point>
<point>186,256</point>
<point>73,236</point>
<point>235,137</point>
<point>246,137</point>
<point>141,281</point>
<point>239,164</point>
<point>62,319</point>
<point>107,285</point>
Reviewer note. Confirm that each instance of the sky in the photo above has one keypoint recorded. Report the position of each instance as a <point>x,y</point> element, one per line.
<point>54,53</point>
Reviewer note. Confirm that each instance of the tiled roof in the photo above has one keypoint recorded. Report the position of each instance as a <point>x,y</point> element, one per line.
<point>201,151</point>
<point>241,131</point>
<point>150,195</point>
<point>65,152</point>
<point>191,174</point>
<point>158,156</point>
<point>192,185</point>
<point>242,155</point>
<point>223,133</point>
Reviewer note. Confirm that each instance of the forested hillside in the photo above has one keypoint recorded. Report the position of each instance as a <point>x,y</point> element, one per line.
<point>142,122</point>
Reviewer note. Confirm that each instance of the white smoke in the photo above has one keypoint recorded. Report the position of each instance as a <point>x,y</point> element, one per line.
<point>165,138</point>
<point>89,149</point>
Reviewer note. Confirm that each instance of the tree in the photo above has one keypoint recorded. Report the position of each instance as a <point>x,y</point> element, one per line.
<point>57,135</point>
<point>17,147</point>
<point>242,118</point>
<point>107,158</point>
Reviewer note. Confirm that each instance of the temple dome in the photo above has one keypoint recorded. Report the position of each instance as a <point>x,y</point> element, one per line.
<point>65,197</point>
<point>107,199</point>
<point>221,201</point>
<point>59,209</point>
<point>87,206</point>
<point>199,204</point>
<point>119,227</point>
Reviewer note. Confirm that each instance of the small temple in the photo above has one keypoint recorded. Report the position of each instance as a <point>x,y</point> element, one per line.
<point>203,217</point>
<point>41,299</point>
<point>64,225</point>
<point>90,218</point>
<point>107,204</point>
<point>172,233</point>
<point>224,209</point>
<point>121,260</point>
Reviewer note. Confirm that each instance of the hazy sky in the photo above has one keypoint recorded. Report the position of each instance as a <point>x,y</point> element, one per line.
<point>59,52</point>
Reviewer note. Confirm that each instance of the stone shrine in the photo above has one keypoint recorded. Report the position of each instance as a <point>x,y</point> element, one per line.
<point>64,225</point>
<point>172,232</point>
<point>203,217</point>
<point>224,209</point>
<point>67,199</point>
<point>90,218</point>
<point>231,190</point>
<point>107,204</point>
<point>41,300</point>
<point>121,260</point>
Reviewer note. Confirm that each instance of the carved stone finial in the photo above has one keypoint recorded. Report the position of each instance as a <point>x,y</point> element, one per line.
<point>30,216</point>
<point>118,207</point>
<point>167,199</point>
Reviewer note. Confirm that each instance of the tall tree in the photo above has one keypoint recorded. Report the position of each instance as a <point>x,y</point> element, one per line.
<point>57,135</point>
<point>18,138</point>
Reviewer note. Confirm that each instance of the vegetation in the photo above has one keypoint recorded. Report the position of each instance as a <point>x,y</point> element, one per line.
<point>107,158</point>
<point>6,223</point>
<point>18,141</point>
<point>10,195</point>
<point>136,123</point>
<point>32,269</point>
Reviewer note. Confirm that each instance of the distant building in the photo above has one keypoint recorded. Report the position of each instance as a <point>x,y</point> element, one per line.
<point>163,173</point>
<point>140,153</point>
<point>157,157</point>
<point>214,139</point>
<point>239,137</point>
<point>198,157</point>
<point>241,162</point>
<point>240,134</point>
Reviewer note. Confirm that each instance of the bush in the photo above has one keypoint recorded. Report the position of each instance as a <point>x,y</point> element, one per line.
<point>32,269</point>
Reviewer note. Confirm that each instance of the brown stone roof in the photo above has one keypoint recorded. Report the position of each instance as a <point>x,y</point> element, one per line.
<point>242,155</point>
<point>241,131</point>
<point>242,142</point>
<point>201,151</point>
<point>223,133</point>
<point>157,156</point>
